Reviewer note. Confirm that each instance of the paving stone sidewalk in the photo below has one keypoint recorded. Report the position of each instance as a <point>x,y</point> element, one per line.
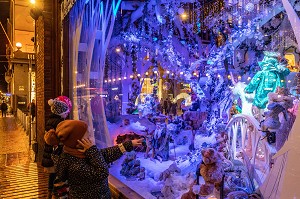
<point>20,177</point>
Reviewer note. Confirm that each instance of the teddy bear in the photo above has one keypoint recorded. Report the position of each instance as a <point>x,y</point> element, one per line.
<point>211,169</point>
<point>190,194</point>
<point>271,121</point>
<point>169,189</point>
<point>221,141</point>
<point>173,168</point>
<point>285,120</point>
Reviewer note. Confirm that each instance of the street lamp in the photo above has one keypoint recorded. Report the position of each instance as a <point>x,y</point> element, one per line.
<point>35,13</point>
<point>19,45</point>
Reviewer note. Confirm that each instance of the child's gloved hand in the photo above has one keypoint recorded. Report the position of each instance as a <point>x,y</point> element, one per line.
<point>84,144</point>
<point>138,142</point>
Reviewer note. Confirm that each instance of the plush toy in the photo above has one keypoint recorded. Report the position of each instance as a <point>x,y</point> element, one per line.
<point>286,119</point>
<point>271,76</point>
<point>173,168</point>
<point>279,95</point>
<point>235,109</point>
<point>189,195</point>
<point>211,169</point>
<point>169,190</point>
<point>194,119</point>
<point>271,122</point>
<point>221,142</point>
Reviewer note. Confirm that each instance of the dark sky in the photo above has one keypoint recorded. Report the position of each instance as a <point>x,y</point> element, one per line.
<point>4,14</point>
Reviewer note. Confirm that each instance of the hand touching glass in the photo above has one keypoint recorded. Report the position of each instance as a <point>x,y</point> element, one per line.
<point>137,142</point>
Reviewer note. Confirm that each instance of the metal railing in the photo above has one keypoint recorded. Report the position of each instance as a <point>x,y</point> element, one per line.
<point>28,125</point>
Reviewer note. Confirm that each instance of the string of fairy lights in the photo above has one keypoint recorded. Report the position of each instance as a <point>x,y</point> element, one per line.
<point>168,72</point>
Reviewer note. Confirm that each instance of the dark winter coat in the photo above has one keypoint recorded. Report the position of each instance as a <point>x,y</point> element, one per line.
<point>88,177</point>
<point>51,123</point>
<point>32,108</point>
<point>3,106</point>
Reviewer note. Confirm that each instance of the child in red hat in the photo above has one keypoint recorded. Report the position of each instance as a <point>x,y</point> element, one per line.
<point>60,109</point>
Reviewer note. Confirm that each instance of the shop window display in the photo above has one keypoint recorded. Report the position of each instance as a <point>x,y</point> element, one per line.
<point>218,111</point>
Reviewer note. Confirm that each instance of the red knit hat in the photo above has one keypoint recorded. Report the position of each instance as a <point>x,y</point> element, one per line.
<point>66,100</point>
<point>68,132</point>
<point>61,106</point>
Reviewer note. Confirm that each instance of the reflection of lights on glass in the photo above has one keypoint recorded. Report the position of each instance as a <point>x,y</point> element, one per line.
<point>119,78</point>
<point>105,81</point>
<point>114,80</point>
<point>80,86</point>
<point>125,78</point>
<point>109,80</point>
<point>118,49</point>
<point>212,197</point>
<point>184,16</point>
<point>260,154</point>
